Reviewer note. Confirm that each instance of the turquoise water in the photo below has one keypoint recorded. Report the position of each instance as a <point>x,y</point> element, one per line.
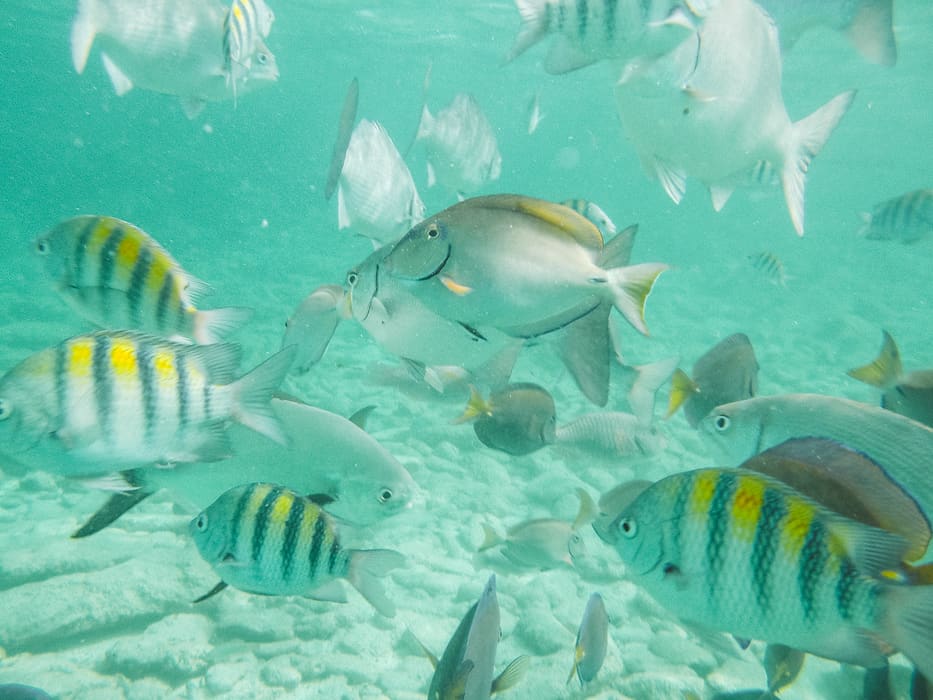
<point>110,616</point>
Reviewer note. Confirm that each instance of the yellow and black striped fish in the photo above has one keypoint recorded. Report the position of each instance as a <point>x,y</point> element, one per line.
<point>264,538</point>
<point>246,24</point>
<point>115,275</point>
<point>115,400</point>
<point>741,552</point>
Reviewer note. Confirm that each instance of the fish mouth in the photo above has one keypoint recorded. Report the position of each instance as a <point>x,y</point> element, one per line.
<point>437,269</point>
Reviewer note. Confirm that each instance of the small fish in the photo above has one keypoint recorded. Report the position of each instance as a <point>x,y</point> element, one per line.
<point>376,195</point>
<point>868,24</point>
<point>114,400</point>
<point>246,24</point>
<point>769,265</point>
<point>712,107</point>
<point>544,543</point>
<point>609,434</point>
<point>17,691</point>
<point>910,393</point>
<point>595,214</point>
<point>590,30</point>
<point>534,113</point>
<point>463,154</point>
<point>905,219</point>
<point>743,553</point>
<point>592,640</point>
<point>782,666</point>
<point>726,372</point>
<point>117,276</point>
<point>311,326</point>
<point>342,142</point>
<point>264,538</point>
<point>517,419</point>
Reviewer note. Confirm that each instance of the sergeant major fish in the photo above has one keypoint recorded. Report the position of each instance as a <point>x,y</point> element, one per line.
<point>741,552</point>
<point>115,275</point>
<point>114,400</point>
<point>246,24</point>
<point>266,539</point>
<point>906,219</point>
<point>712,109</point>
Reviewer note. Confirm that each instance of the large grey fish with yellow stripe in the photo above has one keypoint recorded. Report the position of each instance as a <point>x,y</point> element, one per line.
<point>739,551</point>
<point>114,400</point>
<point>115,275</point>
<point>264,538</point>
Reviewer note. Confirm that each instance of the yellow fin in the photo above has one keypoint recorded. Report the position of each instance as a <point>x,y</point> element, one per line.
<point>885,369</point>
<point>476,406</point>
<point>458,289</point>
<point>577,658</point>
<point>682,387</point>
<point>511,675</point>
<point>563,220</point>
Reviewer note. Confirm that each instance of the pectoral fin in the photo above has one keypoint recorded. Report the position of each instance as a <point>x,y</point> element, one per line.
<point>455,287</point>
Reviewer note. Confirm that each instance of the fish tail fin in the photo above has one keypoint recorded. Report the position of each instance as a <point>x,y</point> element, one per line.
<point>490,539</point>
<point>534,26</point>
<point>682,387</point>
<point>253,392</point>
<point>907,622</point>
<point>872,32</point>
<point>648,379</point>
<point>630,289</point>
<point>808,136</point>
<point>476,406</point>
<point>213,325</point>
<point>366,568</point>
<point>83,31</point>
<point>885,369</point>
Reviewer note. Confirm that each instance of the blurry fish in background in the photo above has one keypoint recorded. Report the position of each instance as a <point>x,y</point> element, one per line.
<point>591,30</point>
<point>534,113</point>
<point>463,154</point>
<point>113,400</point>
<point>868,24</point>
<point>353,477</point>
<point>712,108</point>
<point>782,666</point>
<point>910,393</point>
<point>517,419</point>
<point>544,543</point>
<point>115,275</point>
<point>770,266</point>
<point>264,538</point>
<point>312,325</point>
<point>376,195</point>
<point>592,639</point>
<point>688,540</point>
<point>726,372</point>
<point>342,142</point>
<point>170,46</point>
<point>609,434</point>
<point>17,691</point>
<point>600,219</point>
<point>642,382</point>
<point>246,24</point>
<point>905,219</point>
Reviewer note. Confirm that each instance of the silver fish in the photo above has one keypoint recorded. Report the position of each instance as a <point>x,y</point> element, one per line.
<point>168,46</point>
<point>592,640</point>
<point>907,393</point>
<point>906,219</point>
<point>609,434</point>
<point>463,153</point>
<point>726,372</point>
<point>712,108</point>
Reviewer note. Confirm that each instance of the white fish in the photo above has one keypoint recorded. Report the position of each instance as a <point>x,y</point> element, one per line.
<point>168,46</point>
<point>463,154</point>
<point>712,109</point>
<point>376,195</point>
<point>609,433</point>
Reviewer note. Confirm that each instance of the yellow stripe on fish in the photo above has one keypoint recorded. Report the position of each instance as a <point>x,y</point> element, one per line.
<point>704,486</point>
<point>123,359</point>
<point>796,525</point>
<point>746,508</point>
<point>80,358</point>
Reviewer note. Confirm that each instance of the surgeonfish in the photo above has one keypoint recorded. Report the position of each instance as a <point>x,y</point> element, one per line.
<point>462,150</point>
<point>712,109</point>
<point>726,372</point>
<point>117,276</point>
<point>376,195</point>
<point>267,539</point>
<point>246,24</point>
<point>170,46</point>
<point>905,219</point>
<point>544,543</point>
<point>327,455</point>
<point>589,650</point>
<point>518,418</point>
<point>866,23</point>
<point>591,30</point>
<point>114,400</point>
<point>743,553</point>
<point>907,393</point>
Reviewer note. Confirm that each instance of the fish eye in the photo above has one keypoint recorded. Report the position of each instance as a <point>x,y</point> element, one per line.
<point>385,495</point>
<point>722,423</point>
<point>628,527</point>
<point>43,247</point>
<point>433,231</point>
<point>262,57</point>
<point>352,278</point>
<point>201,522</point>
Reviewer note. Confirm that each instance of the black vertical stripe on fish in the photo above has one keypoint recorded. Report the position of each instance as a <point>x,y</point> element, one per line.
<point>103,382</point>
<point>80,251</point>
<point>717,526</point>
<point>61,378</point>
<point>144,361</point>
<point>610,20</point>
<point>184,394</point>
<point>561,15</point>
<point>261,523</point>
<point>165,296</point>
<point>317,542</point>
<point>684,490</point>
<point>765,546</point>
<point>238,513</point>
<point>290,539</point>
<point>582,18</point>
<point>845,588</point>
<point>813,556</point>
<point>333,555</point>
<point>138,277</point>
<point>207,398</point>
<point>108,256</point>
